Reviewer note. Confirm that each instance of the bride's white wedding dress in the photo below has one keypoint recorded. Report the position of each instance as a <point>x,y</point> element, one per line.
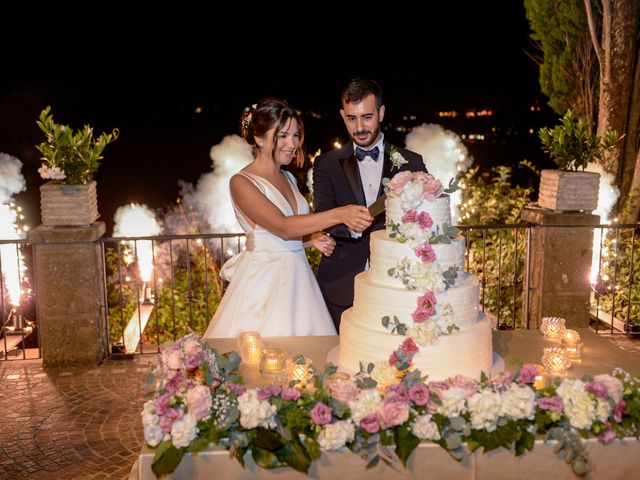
<point>272,288</point>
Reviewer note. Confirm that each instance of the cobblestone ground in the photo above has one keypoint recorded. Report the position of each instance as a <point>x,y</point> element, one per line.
<point>74,423</point>
<point>84,423</point>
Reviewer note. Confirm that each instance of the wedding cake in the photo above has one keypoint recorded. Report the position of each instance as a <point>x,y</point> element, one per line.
<point>416,307</point>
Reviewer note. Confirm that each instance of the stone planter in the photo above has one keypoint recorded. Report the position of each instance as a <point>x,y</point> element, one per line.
<point>564,191</point>
<point>68,205</point>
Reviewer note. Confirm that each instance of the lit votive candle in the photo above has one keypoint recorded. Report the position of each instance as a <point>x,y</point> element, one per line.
<point>552,327</point>
<point>250,346</point>
<point>272,361</point>
<point>298,372</point>
<point>540,382</point>
<point>572,344</point>
<point>556,359</point>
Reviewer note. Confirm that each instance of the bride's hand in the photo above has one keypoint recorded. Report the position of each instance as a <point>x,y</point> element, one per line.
<point>356,217</point>
<point>324,243</point>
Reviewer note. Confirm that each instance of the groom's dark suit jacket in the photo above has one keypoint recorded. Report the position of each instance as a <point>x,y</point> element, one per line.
<point>336,182</point>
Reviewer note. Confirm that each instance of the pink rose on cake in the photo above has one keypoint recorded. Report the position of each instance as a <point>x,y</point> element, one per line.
<point>397,183</point>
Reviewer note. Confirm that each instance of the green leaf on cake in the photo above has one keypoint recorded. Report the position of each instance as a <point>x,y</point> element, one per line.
<point>370,368</point>
<point>265,458</point>
<point>406,442</point>
<point>454,185</point>
<point>385,321</point>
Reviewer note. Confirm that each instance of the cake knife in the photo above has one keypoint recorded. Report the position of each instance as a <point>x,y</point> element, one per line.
<point>377,207</point>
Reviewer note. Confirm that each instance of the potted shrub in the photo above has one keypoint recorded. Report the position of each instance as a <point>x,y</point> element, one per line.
<point>572,146</point>
<point>70,159</point>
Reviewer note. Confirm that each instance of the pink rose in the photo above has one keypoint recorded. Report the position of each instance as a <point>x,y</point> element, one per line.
<point>237,389</point>
<point>395,390</point>
<point>432,188</point>
<point>552,404</point>
<point>597,388</point>
<point>613,384</point>
<point>174,359</point>
<point>192,347</point>
<point>428,302</point>
<point>502,381</point>
<point>419,394</point>
<point>528,374</point>
<point>271,391</point>
<point>393,412</point>
<point>393,359</point>
<point>619,410</point>
<point>291,394</point>
<point>426,253</point>
<point>170,416</point>
<point>425,220</point>
<point>608,435</point>
<point>321,414</point>
<point>468,385</point>
<point>409,217</point>
<point>344,390</point>
<point>409,347</point>
<point>398,182</point>
<point>420,316</point>
<point>199,402</point>
<point>370,423</point>
<point>438,386</point>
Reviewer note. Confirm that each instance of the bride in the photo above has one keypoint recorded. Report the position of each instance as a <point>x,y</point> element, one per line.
<point>272,288</point>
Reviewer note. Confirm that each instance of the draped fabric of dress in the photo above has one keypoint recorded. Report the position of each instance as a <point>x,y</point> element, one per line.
<point>272,288</point>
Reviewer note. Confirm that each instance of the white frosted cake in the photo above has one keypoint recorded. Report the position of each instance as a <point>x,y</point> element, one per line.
<point>416,307</point>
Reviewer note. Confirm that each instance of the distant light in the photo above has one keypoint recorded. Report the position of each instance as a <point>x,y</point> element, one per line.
<point>198,110</point>
<point>531,130</point>
<point>337,144</point>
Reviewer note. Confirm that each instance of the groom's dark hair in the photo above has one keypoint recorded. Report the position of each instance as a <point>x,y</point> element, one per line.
<point>358,88</point>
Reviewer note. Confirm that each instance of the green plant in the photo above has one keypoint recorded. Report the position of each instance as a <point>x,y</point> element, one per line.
<point>68,156</point>
<point>572,145</point>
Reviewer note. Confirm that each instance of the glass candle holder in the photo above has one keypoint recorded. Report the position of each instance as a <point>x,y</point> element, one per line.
<point>572,344</point>
<point>541,379</point>
<point>250,347</point>
<point>556,359</point>
<point>298,372</point>
<point>570,337</point>
<point>272,361</point>
<point>552,327</point>
<point>337,377</point>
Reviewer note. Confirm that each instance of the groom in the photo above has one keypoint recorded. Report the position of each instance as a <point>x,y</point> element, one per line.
<point>353,174</point>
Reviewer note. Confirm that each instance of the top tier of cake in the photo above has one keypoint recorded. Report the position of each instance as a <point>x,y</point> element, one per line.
<point>439,210</point>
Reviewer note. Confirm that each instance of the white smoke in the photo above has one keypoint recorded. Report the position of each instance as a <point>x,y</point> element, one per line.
<point>11,180</point>
<point>444,155</point>
<point>607,196</point>
<point>211,195</point>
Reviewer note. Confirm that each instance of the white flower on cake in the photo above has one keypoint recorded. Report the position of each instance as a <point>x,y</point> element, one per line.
<point>444,318</point>
<point>153,434</point>
<point>453,402</point>
<point>424,333</point>
<point>418,275</point>
<point>411,196</point>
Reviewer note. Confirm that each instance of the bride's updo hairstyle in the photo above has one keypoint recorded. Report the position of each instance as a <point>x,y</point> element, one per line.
<point>266,114</point>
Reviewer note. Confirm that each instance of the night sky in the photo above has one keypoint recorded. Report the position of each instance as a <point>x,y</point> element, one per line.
<point>146,73</point>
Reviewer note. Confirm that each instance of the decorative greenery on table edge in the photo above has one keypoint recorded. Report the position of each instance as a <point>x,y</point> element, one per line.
<point>200,400</point>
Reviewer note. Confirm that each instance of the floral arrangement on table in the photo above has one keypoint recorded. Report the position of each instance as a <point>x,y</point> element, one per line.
<point>200,400</point>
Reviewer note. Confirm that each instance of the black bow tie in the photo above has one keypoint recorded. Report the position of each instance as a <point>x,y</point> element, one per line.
<point>361,153</point>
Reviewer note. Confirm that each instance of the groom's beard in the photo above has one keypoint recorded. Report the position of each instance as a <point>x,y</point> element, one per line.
<point>374,136</point>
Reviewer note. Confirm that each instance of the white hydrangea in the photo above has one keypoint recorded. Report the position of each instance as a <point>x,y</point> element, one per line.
<point>453,403</point>
<point>253,412</point>
<point>424,428</point>
<point>603,410</point>
<point>444,318</point>
<point>484,407</point>
<point>413,233</point>
<point>151,423</point>
<point>411,196</point>
<point>367,402</point>
<point>335,435</point>
<point>578,407</point>
<point>424,333</point>
<point>184,430</point>
<point>518,402</point>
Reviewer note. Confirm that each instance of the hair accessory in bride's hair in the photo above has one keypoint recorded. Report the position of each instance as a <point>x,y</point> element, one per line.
<point>247,116</point>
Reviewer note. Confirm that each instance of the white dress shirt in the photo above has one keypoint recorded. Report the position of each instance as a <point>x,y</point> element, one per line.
<point>370,176</point>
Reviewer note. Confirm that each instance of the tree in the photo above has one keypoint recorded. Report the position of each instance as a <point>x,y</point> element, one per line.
<point>567,75</point>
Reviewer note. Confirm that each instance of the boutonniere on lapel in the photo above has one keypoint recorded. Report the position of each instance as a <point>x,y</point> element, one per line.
<point>397,160</point>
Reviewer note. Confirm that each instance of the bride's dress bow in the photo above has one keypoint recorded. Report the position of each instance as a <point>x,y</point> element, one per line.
<point>228,269</point>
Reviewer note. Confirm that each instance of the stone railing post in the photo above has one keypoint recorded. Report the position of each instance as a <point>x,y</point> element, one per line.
<point>70,295</point>
<point>559,265</point>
